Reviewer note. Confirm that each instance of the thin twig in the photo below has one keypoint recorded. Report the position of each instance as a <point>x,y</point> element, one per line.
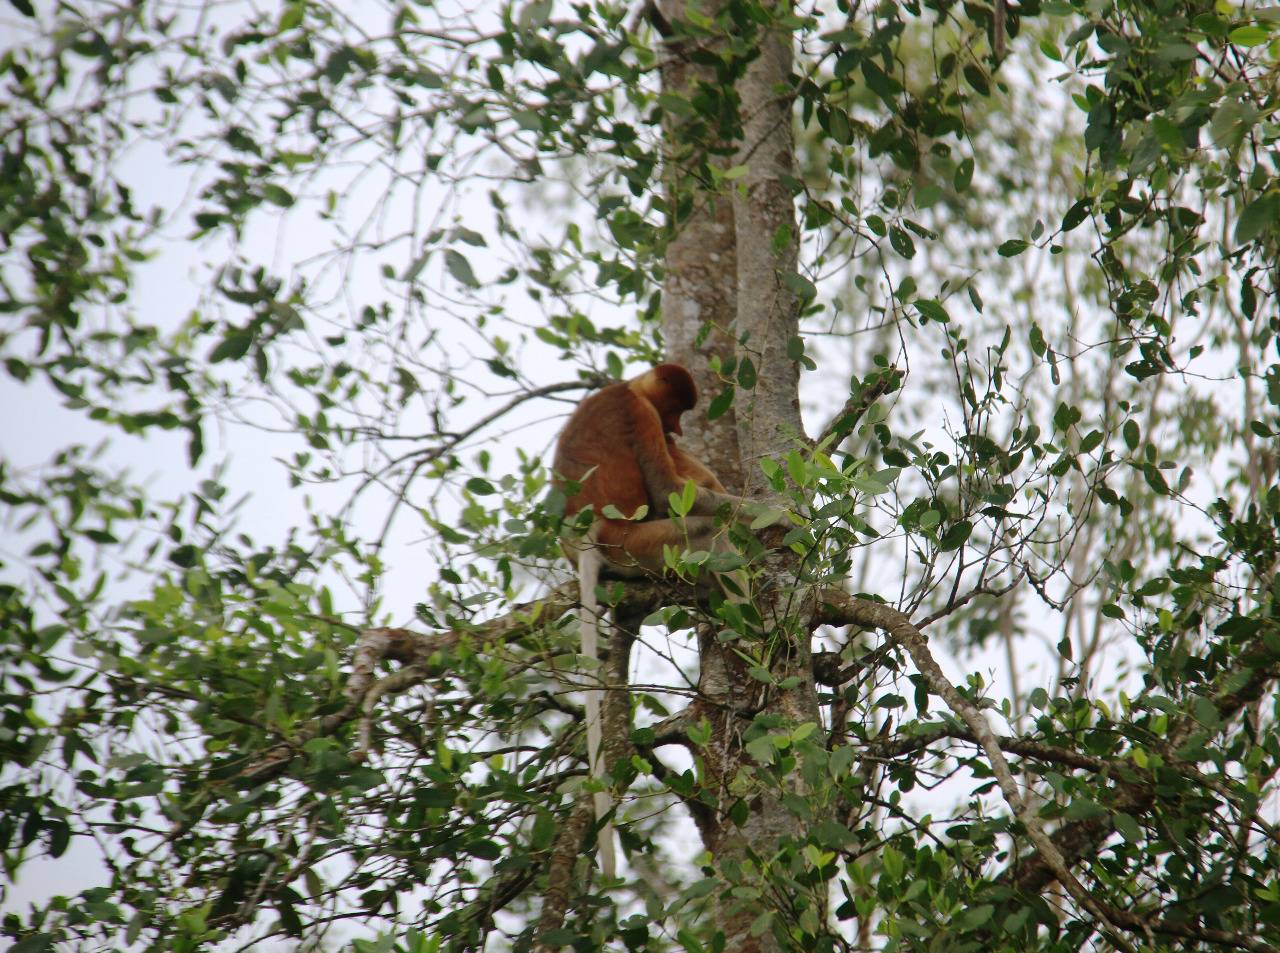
<point>842,424</point>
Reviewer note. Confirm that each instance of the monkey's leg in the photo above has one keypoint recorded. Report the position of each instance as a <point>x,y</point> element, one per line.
<point>630,548</point>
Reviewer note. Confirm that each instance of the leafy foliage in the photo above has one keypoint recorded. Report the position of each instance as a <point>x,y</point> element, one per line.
<point>1039,242</point>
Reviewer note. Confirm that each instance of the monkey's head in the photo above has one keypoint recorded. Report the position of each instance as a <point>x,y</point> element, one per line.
<point>670,388</point>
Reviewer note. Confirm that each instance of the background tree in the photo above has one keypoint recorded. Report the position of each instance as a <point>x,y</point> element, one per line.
<point>1038,242</point>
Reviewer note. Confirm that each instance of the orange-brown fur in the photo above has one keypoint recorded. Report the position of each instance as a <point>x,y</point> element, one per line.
<point>618,450</point>
<point>616,446</point>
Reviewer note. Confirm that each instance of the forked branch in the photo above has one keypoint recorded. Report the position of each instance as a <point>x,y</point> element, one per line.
<point>842,609</point>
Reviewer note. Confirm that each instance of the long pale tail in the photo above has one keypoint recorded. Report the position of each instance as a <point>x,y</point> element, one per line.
<point>589,622</point>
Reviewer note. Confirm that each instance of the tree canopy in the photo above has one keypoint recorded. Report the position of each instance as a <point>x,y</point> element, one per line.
<point>981,299</point>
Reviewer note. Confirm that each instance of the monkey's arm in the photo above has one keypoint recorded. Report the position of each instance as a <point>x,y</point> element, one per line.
<point>662,477</point>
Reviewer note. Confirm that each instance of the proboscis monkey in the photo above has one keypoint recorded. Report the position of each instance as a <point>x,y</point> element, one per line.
<point>618,449</point>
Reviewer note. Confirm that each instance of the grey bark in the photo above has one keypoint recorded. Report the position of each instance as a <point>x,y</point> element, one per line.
<point>768,248</point>
<point>699,292</point>
<point>725,268</point>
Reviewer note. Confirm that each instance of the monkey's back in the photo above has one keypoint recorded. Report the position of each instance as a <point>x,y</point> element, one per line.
<point>597,450</point>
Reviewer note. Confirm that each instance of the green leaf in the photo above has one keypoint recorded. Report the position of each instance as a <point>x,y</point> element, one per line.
<point>460,268</point>
<point>761,749</point>
<point>1231,122</point>
<point>1066,417</point>
<point>901,242</point>
<point>232,347</point>
<point>841,761</point>
<point>289,919</point>
<point>768,517</point>
<point>1012,248</point>
<point>683,503</point>
<point>415,267</point>
<point>687,940</point>
<point>1252,35</point>
<point>1167,133</point>
<point>800,286</point>
<point>932,310</point>
<point>677,105</point>
<point>292,16</point>
<point>1076,214</point>
<point>277,195</point>
<point>839,127</point>
<point>36,943</point>
<point>1207,712</point>
<point>977,79</point>
<point>928,195</point>
<point>830,833</point>
<point>1036,338</point>
<point>955,536</point>
<point>1131,434</point>
<point>1155,479</point>
<point>59,837</point>
<point>796,469</point>
<point>1084,809</point>
<point>699,733</point>
<point>722,402</point>
<point>1258,215</point>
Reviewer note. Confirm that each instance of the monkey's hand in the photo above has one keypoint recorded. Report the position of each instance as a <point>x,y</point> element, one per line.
<point>695,500</point>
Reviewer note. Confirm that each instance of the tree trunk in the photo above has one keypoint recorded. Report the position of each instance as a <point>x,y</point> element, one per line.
<point>730,257</point>
<point>767,250</point>
<point>699,293</point>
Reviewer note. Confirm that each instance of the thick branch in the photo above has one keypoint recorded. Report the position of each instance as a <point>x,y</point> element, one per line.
<point>1186,931</point>
<point>1076,840</point>
<point>854,611</point>
<point>568,845</point>
<point>899,745</point>
<point>420,652</point>
<point>1080,839</point>
<point>617,703</point>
